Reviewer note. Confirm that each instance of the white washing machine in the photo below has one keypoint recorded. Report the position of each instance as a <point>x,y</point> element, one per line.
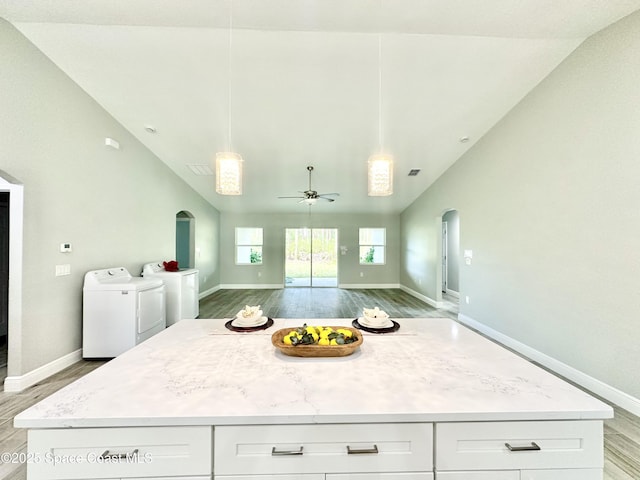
<point>182,290</point>
<point>119,311</point>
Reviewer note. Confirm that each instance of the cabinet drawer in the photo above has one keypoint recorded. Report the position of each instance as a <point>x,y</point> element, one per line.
<point>484,475</point>
<point>323,448</point>
<point>381,476</point>
<point>483,446</point>
<point>130,452</point>
<point>313,476</point>
<point>570,474</point>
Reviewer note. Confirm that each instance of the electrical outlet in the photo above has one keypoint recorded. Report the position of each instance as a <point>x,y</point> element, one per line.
<point>259,274</point>
<point>467,299</point>
<point>362,274</point>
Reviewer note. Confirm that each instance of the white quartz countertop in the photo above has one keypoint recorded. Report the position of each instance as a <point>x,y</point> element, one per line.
<point>199,373</point>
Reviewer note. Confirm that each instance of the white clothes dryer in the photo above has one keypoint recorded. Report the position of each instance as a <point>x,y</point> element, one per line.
<point>183,290</point>
<point>119,311</point>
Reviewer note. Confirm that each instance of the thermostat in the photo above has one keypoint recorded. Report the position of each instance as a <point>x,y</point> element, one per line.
<point>65,247</point>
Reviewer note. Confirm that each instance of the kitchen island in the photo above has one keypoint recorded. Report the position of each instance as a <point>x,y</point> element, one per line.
<point>433,400</point>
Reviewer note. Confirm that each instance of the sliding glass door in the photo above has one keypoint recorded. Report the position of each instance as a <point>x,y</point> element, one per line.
<point>311,257</point>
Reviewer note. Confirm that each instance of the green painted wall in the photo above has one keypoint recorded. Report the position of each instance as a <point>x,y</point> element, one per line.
<point>274,225</point>
<point>116,207</point>
<point>549,203</point>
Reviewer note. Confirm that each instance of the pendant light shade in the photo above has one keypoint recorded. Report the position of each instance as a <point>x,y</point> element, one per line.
<point>380,166</point>
<point>229,164</point>
<point>228,173</point>
<point>380,175</point>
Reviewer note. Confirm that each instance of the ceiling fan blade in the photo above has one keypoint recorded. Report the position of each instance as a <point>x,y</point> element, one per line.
<point>311,196</point>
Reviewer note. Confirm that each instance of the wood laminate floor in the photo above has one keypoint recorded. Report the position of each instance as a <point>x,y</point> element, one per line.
<point>622,433</point>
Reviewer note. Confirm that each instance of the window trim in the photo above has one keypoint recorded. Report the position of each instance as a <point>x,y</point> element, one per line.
<point>250,245</point>
<point>384,246</point>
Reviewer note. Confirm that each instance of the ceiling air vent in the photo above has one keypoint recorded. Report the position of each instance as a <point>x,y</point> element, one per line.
<point>200,169</point>
<point>413,172</point>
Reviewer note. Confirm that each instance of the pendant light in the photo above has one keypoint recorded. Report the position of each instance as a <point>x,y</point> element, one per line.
<point>229,163</point>
<point>380,165</point>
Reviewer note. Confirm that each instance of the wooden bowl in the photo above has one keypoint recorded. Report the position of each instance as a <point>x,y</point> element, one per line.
<point>316,350</point>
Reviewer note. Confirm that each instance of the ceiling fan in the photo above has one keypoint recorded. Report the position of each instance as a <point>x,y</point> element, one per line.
<point>310,197</point>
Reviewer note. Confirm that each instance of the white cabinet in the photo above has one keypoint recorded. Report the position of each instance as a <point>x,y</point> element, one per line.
<point>560,474</point>
<point>315,476</point>
<point>148,453</point>
<point>381,476</point>
<point>480,475</point>
<point>323,449</point>
<point>334,476</point>
<point>548,450</point>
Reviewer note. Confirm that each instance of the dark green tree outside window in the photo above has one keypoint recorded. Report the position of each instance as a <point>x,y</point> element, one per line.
<point>255,257</point>
<point>369,256</point>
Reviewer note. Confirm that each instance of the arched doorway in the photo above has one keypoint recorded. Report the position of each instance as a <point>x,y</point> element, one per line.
<point>185,239</point>
<point>448,275</point>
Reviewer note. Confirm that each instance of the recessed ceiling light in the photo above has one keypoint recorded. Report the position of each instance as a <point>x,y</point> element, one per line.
<point>413,172</point>
<point>464,139</point>
<point>150,128</point>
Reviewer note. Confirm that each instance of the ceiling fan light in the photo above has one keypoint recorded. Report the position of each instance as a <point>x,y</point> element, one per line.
<point>310,201</point>
<point>380,176</point>
<point>228,173</point>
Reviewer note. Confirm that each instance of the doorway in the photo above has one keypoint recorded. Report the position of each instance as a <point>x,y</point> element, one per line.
<point>450,252</point>
<point>311,257</point>
<point>185,239</point>
<point>4,282</point>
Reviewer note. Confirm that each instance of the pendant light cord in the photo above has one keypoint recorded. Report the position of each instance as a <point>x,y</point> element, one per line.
<point>380,91</point>
<point>229,71</point>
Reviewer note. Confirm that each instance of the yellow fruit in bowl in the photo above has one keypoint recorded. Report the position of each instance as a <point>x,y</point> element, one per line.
<point>345,332</point>
<point>323,341</point>
<point>287,340</point>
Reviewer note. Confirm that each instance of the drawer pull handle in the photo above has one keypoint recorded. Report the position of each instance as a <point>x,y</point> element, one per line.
<point>527,448</point>
<point>275,452</point>
<point>117,456</point>
<point>358,451</point>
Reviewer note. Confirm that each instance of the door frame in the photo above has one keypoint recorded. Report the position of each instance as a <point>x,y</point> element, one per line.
<point>14,336</point>
<point>311,229</point>
<point>444,259</point>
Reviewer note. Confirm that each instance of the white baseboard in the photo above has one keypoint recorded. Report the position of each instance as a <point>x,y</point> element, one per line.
<point>208,292</point>
<point>19,383</point>
<point>453,293</point>
<point>250,286</point>
<point>594,385</point>
<point>368,285</point>
<point>422,297</point>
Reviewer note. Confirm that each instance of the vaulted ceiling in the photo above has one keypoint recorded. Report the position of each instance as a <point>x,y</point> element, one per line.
<point>304,80</point>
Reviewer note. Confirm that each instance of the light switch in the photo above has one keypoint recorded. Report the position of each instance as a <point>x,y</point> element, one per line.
<point>63,270</point>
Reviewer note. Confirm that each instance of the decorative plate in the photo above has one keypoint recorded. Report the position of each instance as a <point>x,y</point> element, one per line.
<point>264,326</point>
<point>315,350</point>
<point>393,328</point>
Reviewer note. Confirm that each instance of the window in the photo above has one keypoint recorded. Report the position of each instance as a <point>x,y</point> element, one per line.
<point>372,246</point>
<point>248,246</point>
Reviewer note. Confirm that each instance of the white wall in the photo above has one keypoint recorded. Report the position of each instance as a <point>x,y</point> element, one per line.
<point>549,203</point>
<point>116,207</point>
